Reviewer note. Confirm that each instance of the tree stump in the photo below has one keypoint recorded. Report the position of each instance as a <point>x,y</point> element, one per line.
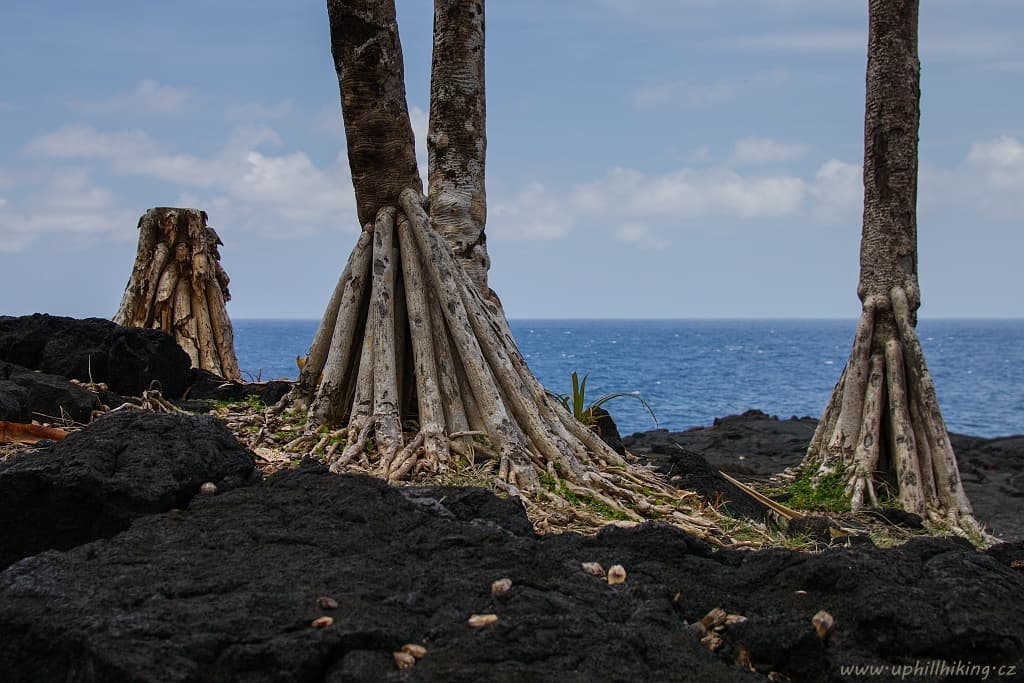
<point>178,285</point>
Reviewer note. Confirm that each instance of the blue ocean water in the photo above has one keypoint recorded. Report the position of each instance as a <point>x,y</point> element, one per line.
<point>692,371</point>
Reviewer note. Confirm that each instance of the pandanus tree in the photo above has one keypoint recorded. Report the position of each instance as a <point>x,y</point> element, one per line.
<point>883,426</point>
<point>413,347</point>
<point>178,285</point>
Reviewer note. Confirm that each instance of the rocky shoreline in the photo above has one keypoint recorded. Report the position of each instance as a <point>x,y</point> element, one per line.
<point>148,547</point>
<point>754,446</point>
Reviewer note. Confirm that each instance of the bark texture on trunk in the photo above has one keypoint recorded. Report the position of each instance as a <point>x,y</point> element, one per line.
<point>457,139</point>
<point>178,285</point>
<point>371,77</point>
<point>882,429</point>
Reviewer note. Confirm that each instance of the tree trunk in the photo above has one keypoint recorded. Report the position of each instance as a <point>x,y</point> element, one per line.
<point>883,427</point>
<point>457,139</point>
<point>371,77</point>
<point>178,285</point>
<point>465,394</point>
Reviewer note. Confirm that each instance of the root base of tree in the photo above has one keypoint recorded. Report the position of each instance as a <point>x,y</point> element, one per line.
<point>411,355</point>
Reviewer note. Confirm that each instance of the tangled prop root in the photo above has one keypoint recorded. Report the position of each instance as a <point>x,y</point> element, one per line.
<point>410,352</point>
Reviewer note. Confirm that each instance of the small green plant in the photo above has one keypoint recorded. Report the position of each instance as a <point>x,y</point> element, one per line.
<point>250,402</point>
<point>829,495</point>
<point>576,402</point>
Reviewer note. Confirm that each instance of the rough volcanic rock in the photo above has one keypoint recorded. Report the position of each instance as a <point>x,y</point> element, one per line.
<point>228,590</point>
<point>608,431</point>
<point>204,385</point>
<point>754,445</point>
<point>26,395</point>
<point>125,464</point>
<point>127,359</point>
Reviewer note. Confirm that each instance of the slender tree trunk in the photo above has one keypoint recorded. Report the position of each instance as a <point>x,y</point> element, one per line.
<point>464,394</point>
<point>371,77</point>
<point>178,285</point>
<point>883,427</point>
<point>457,139</point>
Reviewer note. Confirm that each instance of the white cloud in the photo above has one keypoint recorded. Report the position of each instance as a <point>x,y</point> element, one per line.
<point>74,141</point>
<point>61,201</point>
<point>753,150</point>
<point>277,194</point>
<point>328,122</point>
<point>1002,160</point>
<point>639,235</point>
<point>816,41</point>
<point>694,95</point>
<point>250,112</point>
<point>994,173</point>
<point>838,192</point>
<point>689,95</point>
<point>148,97</point>
<point>690,193</point>
<point>533,214</point>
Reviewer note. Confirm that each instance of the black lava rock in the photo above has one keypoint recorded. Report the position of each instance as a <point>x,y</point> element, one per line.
<point>228,590</point>
<point>26,395</point>
<point>124,465</point>
<point>127,359</point>
<point>204,385</point>
<point>754,445</point>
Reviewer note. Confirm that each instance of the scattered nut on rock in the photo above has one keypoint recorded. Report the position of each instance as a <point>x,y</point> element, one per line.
<point>324,602</point>
<point>712,641</point>
<point>481,620</point>
<point>415,649</point>
<point>594,569</point>
<point>208,489</point>
<point>823,623</point>
<point>616,574</point>
<point>322,622</point>
<point>501,586</point>
<point>800,593</point>
<point>403,660</point>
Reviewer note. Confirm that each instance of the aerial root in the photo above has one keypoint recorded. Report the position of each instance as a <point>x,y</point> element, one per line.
<point>883,426</point>
<point>412,354</point>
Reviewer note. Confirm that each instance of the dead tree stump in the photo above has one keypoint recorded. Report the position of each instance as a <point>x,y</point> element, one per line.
<point>178,285</point>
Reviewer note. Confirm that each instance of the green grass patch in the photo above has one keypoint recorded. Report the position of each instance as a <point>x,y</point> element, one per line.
<point>829,495</point>
<point>580,500</point>
<point>251,402</point>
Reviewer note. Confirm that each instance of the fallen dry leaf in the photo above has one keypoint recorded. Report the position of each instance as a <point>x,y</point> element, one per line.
<point>18,432</point>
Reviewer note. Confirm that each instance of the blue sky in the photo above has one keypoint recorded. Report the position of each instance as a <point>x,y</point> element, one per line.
<point>646,158</point>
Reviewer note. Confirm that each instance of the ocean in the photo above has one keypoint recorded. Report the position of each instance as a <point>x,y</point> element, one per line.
<point>692,371</point>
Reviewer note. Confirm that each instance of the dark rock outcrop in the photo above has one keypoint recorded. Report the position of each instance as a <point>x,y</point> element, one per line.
<point>124,465</point>
<point>228,590</point>
<point>127,359</point>
<point>204,385</point>
<point>606,428</point>
<point>754,446</point>
<point>26,395</point>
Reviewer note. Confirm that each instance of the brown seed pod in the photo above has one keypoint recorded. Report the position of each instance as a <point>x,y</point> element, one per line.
<point>616,574</point>
<point>594,569</point>
<point>482,620</point>
<point>501,586</point>
<point>208,489</point>
<point>324,602</point>
<point>322,622</point>
<point>823,623</point>
<point>403,660</point>
<point>415,649</point>
<point>712,641</point>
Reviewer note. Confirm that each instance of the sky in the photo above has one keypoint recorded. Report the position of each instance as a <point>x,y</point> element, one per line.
<point>646,158</point>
